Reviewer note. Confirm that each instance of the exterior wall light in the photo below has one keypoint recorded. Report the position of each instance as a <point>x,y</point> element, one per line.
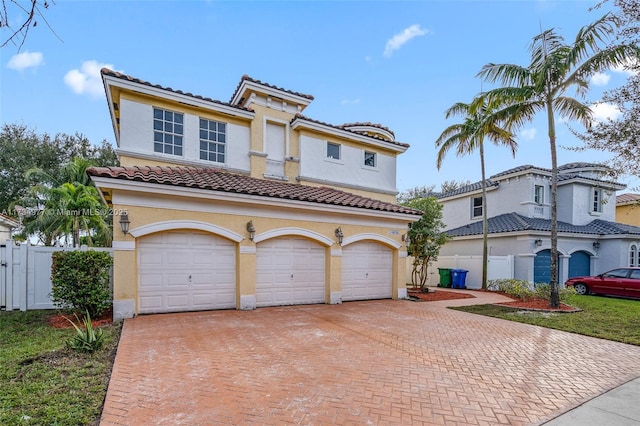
<point>124,223</point>
<point>596,244</point>
<point>538,242</point>
<point>406,240</point>
<point>251,229</point>
<point>339,234</point>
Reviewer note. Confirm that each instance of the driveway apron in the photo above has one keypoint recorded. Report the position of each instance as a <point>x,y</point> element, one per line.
<point>393,362</point>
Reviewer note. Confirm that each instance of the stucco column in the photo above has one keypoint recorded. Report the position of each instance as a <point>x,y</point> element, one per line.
<point>335,275</point>
<point>399,274</point>
<point>246,278</point>
<point>125,280</point>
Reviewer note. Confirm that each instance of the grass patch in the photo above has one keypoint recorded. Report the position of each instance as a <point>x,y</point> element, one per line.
<point>44,383</point>
<point>604,317</point>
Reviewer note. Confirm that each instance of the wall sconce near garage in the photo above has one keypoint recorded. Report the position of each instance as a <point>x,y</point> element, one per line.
<point>406,240</point>
<point>538,242</point>
<point>596,244</point>
<point>251,230</point>
<point>339,234</point>
<point>124,223</point>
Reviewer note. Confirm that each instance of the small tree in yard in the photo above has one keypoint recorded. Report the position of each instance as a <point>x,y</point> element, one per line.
<point>80,281</point>
<point>425,238</point>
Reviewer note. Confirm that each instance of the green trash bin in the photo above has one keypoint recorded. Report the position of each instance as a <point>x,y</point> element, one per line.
<point>445,277</point>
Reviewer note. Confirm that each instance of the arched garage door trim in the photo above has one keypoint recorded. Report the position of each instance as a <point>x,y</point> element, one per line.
<point>171,225</point>
<point>280,232</point>
<point>369,236</point>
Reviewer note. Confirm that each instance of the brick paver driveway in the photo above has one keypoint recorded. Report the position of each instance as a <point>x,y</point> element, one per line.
<point>377,362</point>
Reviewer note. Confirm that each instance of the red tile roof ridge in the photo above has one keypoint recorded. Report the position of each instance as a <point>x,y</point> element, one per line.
<point>245,77</point>
<point>368,123</point>
<point>216,179</point>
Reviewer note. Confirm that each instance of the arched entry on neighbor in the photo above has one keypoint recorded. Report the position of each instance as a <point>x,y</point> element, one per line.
<point>185,266</point>
<point>290,267</point>
<point>542,267</point>
<point>367,267</point>
<point>579,264</point>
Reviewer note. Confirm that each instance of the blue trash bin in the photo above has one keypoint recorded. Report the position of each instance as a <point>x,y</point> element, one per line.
<point>458,278</point>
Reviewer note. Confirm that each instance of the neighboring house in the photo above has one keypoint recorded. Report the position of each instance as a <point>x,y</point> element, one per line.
<point>7,225</point>
<point>518,206</point>
<point>247,203</point>
<point>628,209</point>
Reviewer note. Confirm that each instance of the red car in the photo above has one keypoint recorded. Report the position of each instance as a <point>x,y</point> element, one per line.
<point>624,282</point>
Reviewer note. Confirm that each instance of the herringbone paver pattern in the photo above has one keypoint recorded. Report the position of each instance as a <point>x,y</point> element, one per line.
<point>359,363</point>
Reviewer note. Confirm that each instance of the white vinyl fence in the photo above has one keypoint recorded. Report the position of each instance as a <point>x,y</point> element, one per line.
<point>25,275</point>
<point>497,267</point>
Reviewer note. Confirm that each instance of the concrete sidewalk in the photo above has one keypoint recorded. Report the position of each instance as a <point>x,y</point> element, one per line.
<point>619,406</point>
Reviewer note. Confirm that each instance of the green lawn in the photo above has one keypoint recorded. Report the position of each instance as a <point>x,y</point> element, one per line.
<point>604,317</point>
<point>42,382</point>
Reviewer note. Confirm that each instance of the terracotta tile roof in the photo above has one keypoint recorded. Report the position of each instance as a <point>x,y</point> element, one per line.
<point>107,71</point>
<point>341,127</point>
<point>627,198</point>
<point>8,220</point>
<point>368,124</point>
<point>253,80</point>
<point>219,180</point>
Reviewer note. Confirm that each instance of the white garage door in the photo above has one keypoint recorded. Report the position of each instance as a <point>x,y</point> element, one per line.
<point>366,271</point>
<point>289,271</point>
<point>185,271</point>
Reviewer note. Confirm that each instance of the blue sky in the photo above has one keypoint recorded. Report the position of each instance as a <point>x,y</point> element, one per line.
<point>400,64</point>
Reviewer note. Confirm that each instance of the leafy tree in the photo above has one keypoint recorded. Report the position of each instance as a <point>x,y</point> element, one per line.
<point>542,85</point>
<point>419,192</point>
<point>425,238</point>
<point>482,120</point>
<point>452,185</point>
<point>621,136</point>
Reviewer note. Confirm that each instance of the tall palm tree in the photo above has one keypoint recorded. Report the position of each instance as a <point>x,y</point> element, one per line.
<point>482,120</point>
<point>555,68</point>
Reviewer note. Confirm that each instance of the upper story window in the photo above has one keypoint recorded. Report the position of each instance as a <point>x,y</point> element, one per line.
<point>596,200</point>
<point>538,194</point>
<point>333,150</point>
<point>370,159</point>
<point>633,256</point>
<point>476,207</point>
<point>213,138</point>
<point>168,131</point>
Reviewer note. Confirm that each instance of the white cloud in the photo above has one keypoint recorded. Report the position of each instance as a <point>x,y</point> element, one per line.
<point>24,60</point>
<point>398,40</point>
<point>528,133</point>
<point>600,79</point>
<point>603,111</point>
<point>350,101</point>
<point>368,58</point>
<point>87,79</point>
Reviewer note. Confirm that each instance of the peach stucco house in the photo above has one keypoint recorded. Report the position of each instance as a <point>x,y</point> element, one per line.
<point>247,203</point>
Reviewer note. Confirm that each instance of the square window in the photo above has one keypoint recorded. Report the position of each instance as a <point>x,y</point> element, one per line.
<point>369,159</point>
<point>212,140</point>
<point>168,130</point>
<point>333,150</point>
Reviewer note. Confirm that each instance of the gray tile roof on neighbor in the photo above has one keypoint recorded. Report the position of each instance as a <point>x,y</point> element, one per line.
<point>514,222</point>
<point>213,179</point>
<point>477,186</point>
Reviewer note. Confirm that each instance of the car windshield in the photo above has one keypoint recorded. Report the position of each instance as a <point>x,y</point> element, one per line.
<point>616,273</point>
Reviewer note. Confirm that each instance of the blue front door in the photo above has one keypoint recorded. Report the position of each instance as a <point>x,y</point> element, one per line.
<point>579,264</point>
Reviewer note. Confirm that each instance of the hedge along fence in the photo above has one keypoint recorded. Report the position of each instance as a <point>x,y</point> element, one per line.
<point>80,281</point>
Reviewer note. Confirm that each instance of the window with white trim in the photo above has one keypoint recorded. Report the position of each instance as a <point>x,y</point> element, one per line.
<point>633,255</point>
<point>538,194</point>
<point>596,200</point>
<point>476,207</point>
<point>370,159</point>
<point>168,131</point>
<point>333,150</point>
<point>213,139</point>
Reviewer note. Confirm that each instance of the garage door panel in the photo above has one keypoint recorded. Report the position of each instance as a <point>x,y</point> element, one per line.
<point>183,271</point>
<point>367,271</point>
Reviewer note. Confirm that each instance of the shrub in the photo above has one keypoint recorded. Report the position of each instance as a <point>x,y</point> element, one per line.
<point>543,291</point>
<point>515,288</point>
<point>87,338</point>
<point>80,281</point>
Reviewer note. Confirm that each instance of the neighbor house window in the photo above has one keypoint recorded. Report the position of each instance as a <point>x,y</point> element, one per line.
<point>168,130</point>
<point>333,150</point>
<point>596,200</point>
<point>213,138</point>
<point>476,207</point>
<point>633,255</point>
<point>369,159</point>
<point>538,194</point>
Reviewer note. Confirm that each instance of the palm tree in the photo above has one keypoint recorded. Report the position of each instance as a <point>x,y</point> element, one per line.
<point>542,85</point>
<point>482,119</point>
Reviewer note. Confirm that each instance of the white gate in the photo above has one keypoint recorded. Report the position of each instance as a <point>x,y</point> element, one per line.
<point>25,276</point>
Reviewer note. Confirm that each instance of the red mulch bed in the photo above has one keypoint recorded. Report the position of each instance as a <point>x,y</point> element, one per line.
<point>60,320</point>
<point>538,305</point>
<point>435,295</point>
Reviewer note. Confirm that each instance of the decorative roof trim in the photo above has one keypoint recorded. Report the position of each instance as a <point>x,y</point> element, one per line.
<point>248,84</point>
